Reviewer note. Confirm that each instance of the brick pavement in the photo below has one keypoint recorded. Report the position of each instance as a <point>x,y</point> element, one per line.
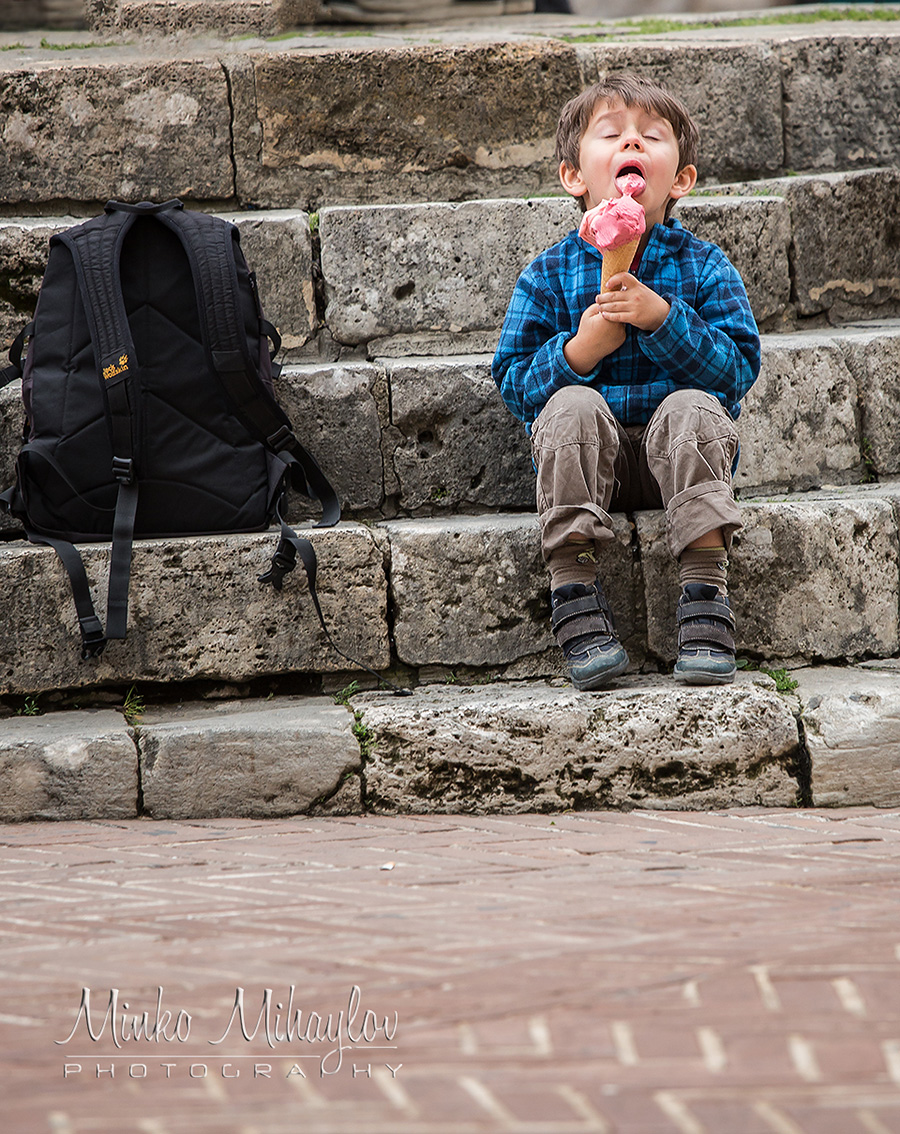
<point>679,973</point>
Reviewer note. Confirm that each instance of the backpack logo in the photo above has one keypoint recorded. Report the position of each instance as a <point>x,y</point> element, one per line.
<point>115,368</point>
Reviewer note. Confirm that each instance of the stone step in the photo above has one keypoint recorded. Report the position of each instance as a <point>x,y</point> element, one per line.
<point>431,436</point>
<point>277,244</point>
<point>431,278</point>
<point>225,18</point>
<point>814,578</point>
<point>435,278</point>
<point>499,748</point>
<point>316,120</point>
<point>41,14</point>
<point>196,611</point>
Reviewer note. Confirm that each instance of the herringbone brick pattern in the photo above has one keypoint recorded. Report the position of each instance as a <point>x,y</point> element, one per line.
<point>592,973</point>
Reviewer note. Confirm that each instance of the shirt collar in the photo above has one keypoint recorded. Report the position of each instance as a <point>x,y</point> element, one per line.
<point>663,239</point>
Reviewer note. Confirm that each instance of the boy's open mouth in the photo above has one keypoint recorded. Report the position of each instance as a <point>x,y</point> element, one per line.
<point>631,168</point>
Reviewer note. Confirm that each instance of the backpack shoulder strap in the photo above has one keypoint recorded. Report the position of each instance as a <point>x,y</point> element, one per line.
<point>96,248</point>
<point>14,371</point>
<point>209,243</point>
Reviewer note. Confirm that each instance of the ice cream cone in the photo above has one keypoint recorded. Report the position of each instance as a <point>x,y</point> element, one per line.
<point>618,260</point>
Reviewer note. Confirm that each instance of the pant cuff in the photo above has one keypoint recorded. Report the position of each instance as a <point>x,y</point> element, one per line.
<point>700,509</point>
<point>561,524</point>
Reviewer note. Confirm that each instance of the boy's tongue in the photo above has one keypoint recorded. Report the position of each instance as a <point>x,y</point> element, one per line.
<point>630,184</point>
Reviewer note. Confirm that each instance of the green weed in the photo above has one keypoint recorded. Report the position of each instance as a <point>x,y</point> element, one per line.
<point>343,696</point>
<point>365,738</point>
<point>661,25</point>
<point>30,708</point>
<point>871,472</point>
<point>361,33</point>
<point>48,46</point>
<point>133,707</point>
<point>784,683</point>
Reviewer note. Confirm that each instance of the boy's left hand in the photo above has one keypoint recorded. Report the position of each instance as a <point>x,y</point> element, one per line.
<point>629,301</point>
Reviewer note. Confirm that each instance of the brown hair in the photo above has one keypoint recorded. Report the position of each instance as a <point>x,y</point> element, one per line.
<point>632,90</point>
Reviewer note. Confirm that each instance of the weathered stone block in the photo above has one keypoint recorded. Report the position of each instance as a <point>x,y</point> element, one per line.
<point>24,248</point>
<point>873,356</point>
<point>405,268</point>
<point>196,611</point>
<point>846,256</point>
<point>532,747</point>
<point>335,413</point>
<point>226,18</point>
<point>346,800</point>
<point>714,80</point>
<point>798,425</point>
<point>71,765</point>
<point>458,445</point>
<point>41,14</point>
<point>755,234</point>
<point>414,123</point>
<point>63,130</point>
<point>851,722</point>
<point>808,580</point>
<point>249,758</point>
<point>841,102</point>
<point>473,590</point>
<point>278,247</point>
<point>12,417</point>
<point>409,269</point>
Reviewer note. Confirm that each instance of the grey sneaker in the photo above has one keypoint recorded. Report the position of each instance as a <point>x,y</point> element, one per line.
<point>583,625</point>
<point>705,637</point>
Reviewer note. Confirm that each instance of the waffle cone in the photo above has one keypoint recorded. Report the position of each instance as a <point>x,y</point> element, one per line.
<point>618,260</point>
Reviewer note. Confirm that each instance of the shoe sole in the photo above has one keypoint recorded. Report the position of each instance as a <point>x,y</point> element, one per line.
<point>699,677</point>
<point>600,679</point>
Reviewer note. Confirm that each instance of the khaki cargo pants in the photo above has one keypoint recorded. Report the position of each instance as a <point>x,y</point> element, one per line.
<point>589,465</point>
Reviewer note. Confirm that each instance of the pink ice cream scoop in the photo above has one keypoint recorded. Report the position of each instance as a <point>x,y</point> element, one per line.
<point>612,224</point>
<point>615,227</point>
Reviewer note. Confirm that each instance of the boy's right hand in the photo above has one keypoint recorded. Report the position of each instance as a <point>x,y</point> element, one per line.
<point>595,338</point>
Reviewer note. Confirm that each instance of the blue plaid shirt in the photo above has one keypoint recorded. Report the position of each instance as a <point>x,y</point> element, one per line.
<point>709,340</point>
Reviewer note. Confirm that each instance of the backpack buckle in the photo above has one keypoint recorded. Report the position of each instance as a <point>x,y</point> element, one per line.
<point>283,562</point>
<point>123,469</point>
<point>92,638</point>
<point>280,440</point>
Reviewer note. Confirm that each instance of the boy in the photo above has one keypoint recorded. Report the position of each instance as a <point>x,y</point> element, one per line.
<point>629,396</point>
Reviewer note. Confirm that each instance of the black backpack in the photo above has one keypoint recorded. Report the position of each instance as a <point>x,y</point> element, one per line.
<point>149,402</point>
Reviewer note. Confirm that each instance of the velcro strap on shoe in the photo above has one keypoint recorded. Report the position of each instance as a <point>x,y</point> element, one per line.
<point>687,611</point>
<point>571,608</point>
<point>596,623</point>
<point>579,610</point>
<point>705,634</point>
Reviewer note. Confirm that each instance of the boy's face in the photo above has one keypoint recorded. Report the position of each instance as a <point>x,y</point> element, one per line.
<point>620,138</point>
